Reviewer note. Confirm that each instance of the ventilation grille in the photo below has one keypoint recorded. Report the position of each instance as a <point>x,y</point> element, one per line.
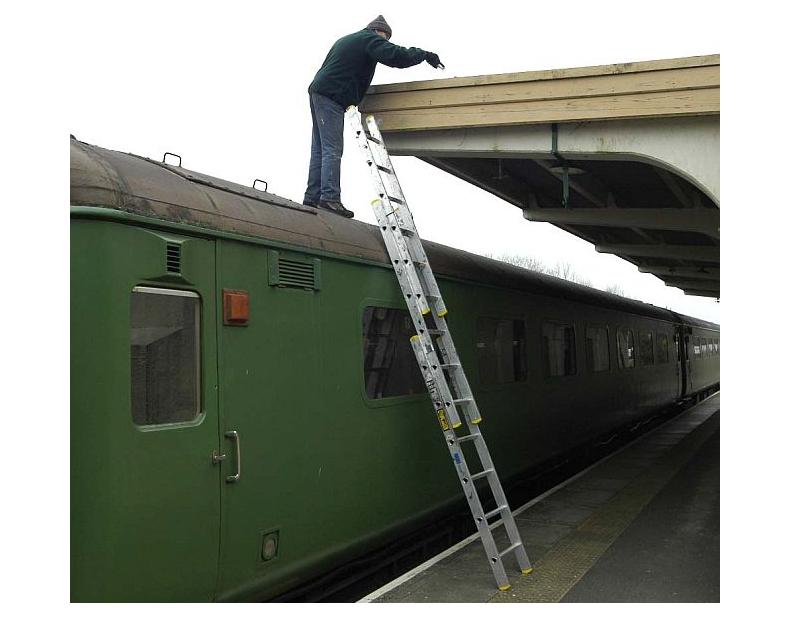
<point>295,273</point>
<point>173,258</point>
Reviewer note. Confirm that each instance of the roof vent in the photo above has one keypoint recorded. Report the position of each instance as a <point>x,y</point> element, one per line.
<point>296,273</point>
<point>173,258</point>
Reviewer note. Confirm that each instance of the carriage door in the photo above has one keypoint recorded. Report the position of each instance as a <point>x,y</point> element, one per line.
<point>688,357</point>
<point>146,502</point>
<point>269,406</point>
<point>680,361</point>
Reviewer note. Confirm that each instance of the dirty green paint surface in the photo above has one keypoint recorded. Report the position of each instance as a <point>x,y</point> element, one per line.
<point>145,502</point>
<point>333,473</point>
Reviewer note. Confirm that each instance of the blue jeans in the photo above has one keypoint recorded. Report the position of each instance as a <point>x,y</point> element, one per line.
<point>327,143</point>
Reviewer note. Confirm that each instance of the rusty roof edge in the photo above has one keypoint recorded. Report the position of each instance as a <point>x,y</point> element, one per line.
<point>345,238</point>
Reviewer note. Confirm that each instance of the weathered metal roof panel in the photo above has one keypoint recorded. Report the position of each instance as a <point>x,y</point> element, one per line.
<point>133,184</point>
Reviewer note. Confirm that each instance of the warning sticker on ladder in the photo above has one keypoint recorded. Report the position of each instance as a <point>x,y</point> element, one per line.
<point>442,419</point>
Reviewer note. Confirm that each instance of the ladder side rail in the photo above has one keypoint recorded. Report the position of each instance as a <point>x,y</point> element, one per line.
<point>409,283</point>
<point>396,246</point>
<point>372,129</point>
<point>439,363</point>
<point>390,222</point>
<point>388,178</point>
<point>500,499</point>
<point>473,499</point>
<point>450,356</point>
<point>387,188</point>
<point>435,382</point>
<point>413,242</point>
<point>428,278</point>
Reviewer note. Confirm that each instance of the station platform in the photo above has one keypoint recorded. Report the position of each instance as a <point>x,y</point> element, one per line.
<point>641,525</point>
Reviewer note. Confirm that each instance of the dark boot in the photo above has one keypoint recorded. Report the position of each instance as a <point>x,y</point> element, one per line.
<point>310,203</point>
<point>337,207</point>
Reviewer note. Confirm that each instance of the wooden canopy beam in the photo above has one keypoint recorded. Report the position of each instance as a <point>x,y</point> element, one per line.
<point>680,252</point>
<point>674,87</point>
<point>707,273</point>
<point>704,221</point>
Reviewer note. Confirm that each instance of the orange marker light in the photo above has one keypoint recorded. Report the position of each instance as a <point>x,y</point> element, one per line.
<point>236,306</point>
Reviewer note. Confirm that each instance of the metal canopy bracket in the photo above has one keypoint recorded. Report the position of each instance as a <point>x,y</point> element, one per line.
<point>564,166</point>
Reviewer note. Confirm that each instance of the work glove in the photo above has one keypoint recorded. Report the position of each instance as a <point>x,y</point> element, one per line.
<point>433,60</point>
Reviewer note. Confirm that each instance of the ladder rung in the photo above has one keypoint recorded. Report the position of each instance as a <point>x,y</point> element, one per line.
<point>451,365</point>
<point>395,200</point>
<point>471,437</point>
<point>384,169</point>
<point>372,139</point>
<point>462,401</point>
<point>495,512</point>
<point>436,332</point>
<point>510,549</point>
<point>403,230</point>
<point>482,474</point>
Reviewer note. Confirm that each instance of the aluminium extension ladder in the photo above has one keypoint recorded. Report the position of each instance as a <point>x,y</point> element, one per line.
<point>434,349</point>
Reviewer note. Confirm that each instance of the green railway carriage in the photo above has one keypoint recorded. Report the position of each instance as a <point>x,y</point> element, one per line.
<point>246,414</point>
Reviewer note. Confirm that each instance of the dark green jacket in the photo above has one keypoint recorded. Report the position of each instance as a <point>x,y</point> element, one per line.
<point>348,69</point>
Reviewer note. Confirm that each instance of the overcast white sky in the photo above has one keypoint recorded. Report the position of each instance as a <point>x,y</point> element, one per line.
<point>224,84</point>
<point>226,89</point>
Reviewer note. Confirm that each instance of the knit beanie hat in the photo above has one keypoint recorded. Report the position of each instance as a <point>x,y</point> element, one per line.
<point>380,24</point>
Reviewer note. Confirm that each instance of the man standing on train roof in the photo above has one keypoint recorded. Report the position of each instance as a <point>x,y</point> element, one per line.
<point>341,82</point>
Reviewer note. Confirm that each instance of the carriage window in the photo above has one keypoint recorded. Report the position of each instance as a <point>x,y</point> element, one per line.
<point>662,348</point>
<point>716,346</point>
<point>390,368</point>
<point>703,347</point>
<point>559,347</point>
<point>626,354</point>
<point>696,342</point>
<point>597,358</point>
<point>646,348</point>
<point>501,351</point>
<point>165,355</point>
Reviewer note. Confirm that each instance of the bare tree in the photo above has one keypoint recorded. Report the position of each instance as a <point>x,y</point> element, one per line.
<point>526,262</point>
<point>563,269</point>
<point>615,289</point>
<point>566,271</point>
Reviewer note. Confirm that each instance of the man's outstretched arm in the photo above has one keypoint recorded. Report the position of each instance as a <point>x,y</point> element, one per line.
<point>392,55</point>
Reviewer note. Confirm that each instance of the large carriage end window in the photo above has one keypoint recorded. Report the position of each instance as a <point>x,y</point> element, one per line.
<point>165,355</point>
<point>390,368</point>
<point>662,348</point>
<point>597,349</point>
<point>646,348</point>
<point>696,344</point>
<point>626,354</point>
<point>559,347</point>
<point>501,351</point>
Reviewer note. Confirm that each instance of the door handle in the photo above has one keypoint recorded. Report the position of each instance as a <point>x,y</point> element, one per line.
<point>235,477</point>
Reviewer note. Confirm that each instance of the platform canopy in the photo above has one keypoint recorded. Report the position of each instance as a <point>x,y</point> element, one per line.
<point>624,156</point>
